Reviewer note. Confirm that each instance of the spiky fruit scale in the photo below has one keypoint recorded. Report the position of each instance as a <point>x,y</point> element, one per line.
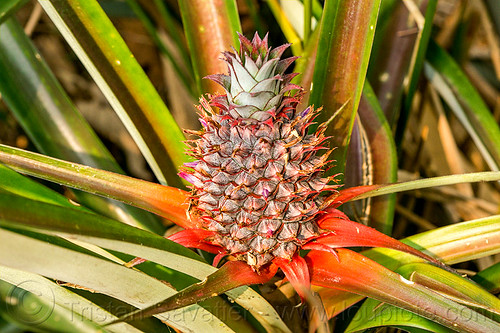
<point>257,179</point>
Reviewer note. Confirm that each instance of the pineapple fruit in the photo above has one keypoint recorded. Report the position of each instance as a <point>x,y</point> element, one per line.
<point>258,177</point>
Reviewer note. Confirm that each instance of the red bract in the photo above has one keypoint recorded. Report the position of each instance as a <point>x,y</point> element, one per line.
<point>258,184</point>
<point>337,231</point>
<point>327,264</point>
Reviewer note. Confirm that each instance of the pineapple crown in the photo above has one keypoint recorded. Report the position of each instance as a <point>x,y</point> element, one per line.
<point>256,83</point>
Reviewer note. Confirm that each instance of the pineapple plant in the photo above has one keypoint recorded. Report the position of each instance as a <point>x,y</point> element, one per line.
<point>259,198</point>
<point>257,179</point>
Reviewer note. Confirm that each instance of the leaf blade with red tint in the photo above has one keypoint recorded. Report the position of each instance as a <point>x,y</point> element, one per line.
<point>453,244</point>
<point>210,27</point>
<point>196,238</point>
<point>232,275</point>
<point>169,202</point>
<point>297,273</point>
<point>345,42</point>
<point>384,285</point>
<point>347,233</point>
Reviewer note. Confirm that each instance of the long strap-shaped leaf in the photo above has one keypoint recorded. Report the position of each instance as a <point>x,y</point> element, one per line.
<point>341,63</point>
<point>379,162</point>
<point>115,236</point>
<point>376,190</point>
<point>38,101</point>
<point>57,307</point>
<point>376,281</point>
<point>133,287</point>
<point>416,67</point>
<point>454,286</point>
<point>232,275</point>
<point>455,243</point>
<point>445,283</point>
<point>96,42</point>
<point>380,283</point>
<point>210,27</point>
<point>169,202</point>
<point>465,102</point>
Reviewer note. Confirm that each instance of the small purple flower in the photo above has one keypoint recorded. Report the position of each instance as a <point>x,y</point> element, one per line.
<point>305,112</point>
<point>189,177</point>
<point>191,164</point>
<point>203,122</point>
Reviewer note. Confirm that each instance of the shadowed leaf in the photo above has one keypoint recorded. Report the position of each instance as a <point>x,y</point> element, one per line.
<point>38,101</point>
<point>116,236</point>
<point>464,100</point>
<point>489,278</point>
<point>108,60</point>
<point>8,7</point>
<point>376,163</point>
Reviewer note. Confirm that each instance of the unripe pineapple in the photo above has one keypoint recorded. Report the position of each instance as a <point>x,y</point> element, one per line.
<point>257,178</point>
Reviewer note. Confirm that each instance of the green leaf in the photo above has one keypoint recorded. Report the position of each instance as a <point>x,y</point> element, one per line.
<point>307,19</point>
<point>431,182</point>
<point>323,52</point>
<point>216,306</point>
<point>169,202</point>
<point>452,244</point>
<point>344,48</point>
<point>489,278</point>
<point>453,286</point>
<point>286,26</point>
<point>44,110</point>
<point>106,277</point>
<point>231,275</point>
<point>375,314</point>
<point>8,7</point>
<point>384,285</point>
<point>463,99</point>
<point>174,30</point>
<point>98,45</point>
<point>423,39</point>
<point>17,184</point>
<point>36,302</point>
<point>210,27</point>
<point>151,29</point>
<point>120,237</point>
